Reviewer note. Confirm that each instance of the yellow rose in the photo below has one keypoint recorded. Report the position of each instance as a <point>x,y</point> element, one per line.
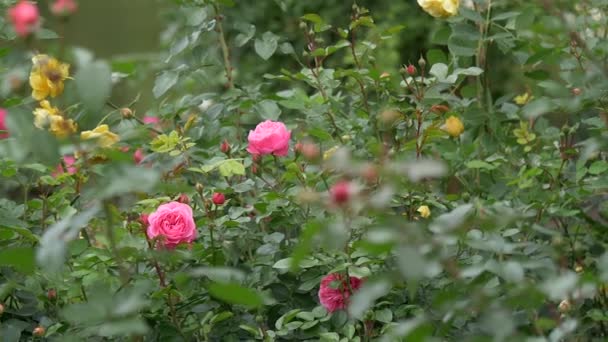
<point>43,114</point>
<point>424,211</point>
<point>523,99</point>
<point>48,116</point>
<point>47,76</point>
<point>440,8</point>
<point>453,126</point>
<point>102,133</point>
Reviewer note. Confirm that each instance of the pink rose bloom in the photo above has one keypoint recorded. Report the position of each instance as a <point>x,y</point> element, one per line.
<point>151,120</point>
<point>64,7</point>
<point>25,17</point>
<point>172,223</point>
<point>69,162</point>
<point>269,137</point>
<point>335,292</point>
<point>3,127</point>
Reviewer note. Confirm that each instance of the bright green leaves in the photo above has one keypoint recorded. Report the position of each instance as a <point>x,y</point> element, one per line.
<point>21,258</point>
<point>524,136</point>
<point>226,167</point>
<point>173,144</point>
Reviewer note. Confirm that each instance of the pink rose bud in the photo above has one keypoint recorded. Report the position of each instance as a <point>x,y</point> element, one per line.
<point>269,137</point>
<point>218,198</point>
<point>335,292</point>
<point>151,120</point>
<point>411,70</point>
<point>254,169</point>
<point>311,151</point>
<point>25,17</point>
<point>3,127</point>
<point>183,198</point>
<point>341,192</point>
<point>1,309</point>
<point>225,147</point>
<point>138,156</point>
<point>64,7</point>
<point>172,224</point>
<point>298,147</point>
<point>143,219</point>
<point>51,294</point>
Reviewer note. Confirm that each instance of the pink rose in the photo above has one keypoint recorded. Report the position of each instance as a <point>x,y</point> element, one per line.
<point>269,137</point>
<point>3,127</point>
<point>25,17</point>
<point>172,223</point>
<point>334,292</point>
<point>64,7</point>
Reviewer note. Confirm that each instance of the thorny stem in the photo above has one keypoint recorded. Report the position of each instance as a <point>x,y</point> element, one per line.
<point>163,284</point>
<point>225,50</point>
<point>124,274</point>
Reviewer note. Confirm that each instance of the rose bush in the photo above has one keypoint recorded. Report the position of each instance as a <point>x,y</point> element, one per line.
<point>296,175</point>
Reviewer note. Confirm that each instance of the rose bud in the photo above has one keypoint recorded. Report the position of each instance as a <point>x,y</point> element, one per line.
<point>183,198</point>
<point>341,192</point>
<point>411,70</point>
<point>218,198</point>
<point>1,309</point>
<point>225,147</point>
<point>39,331</point>
<point>51,294</point>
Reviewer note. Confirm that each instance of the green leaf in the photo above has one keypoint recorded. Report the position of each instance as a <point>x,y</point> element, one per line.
<point>21,258</point>
<point>266,46</point>
<point>268,110</point>
<point>480,164</point>
<point>164,82</point>
<point>236,294</point>
<point>598,167</point>
<point>247,31</point>
<point>94,84</point>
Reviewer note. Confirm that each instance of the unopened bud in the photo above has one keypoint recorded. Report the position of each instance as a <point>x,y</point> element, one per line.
<point>254,169</point>
<point>143,219</point>
<point>218,198</point>
<point>39,331</point>
<point>311,151</point>
<point>411,70</point>
<point>369,172</point>
<point>298,148</point>
<point>564,306</point>
<point>422,62</point>
<point>440,109</point>
<point>225,147</point>
<point>341,192</point>
<point>183,198</point>
<point>576,91</point>
<point>51,294</point>
<point>126,113</point>
<point>1,309</point>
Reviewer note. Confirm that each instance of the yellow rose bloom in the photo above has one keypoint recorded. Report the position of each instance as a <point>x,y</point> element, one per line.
<point>424,211</point>
<point>47,76</point>
<point>48,116</point>
<point>453,126</point>
<point>523,99</point>
<point>102,133</point>
<point>43,114</point>
<point>62,127</point>
<point>440,8</point>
